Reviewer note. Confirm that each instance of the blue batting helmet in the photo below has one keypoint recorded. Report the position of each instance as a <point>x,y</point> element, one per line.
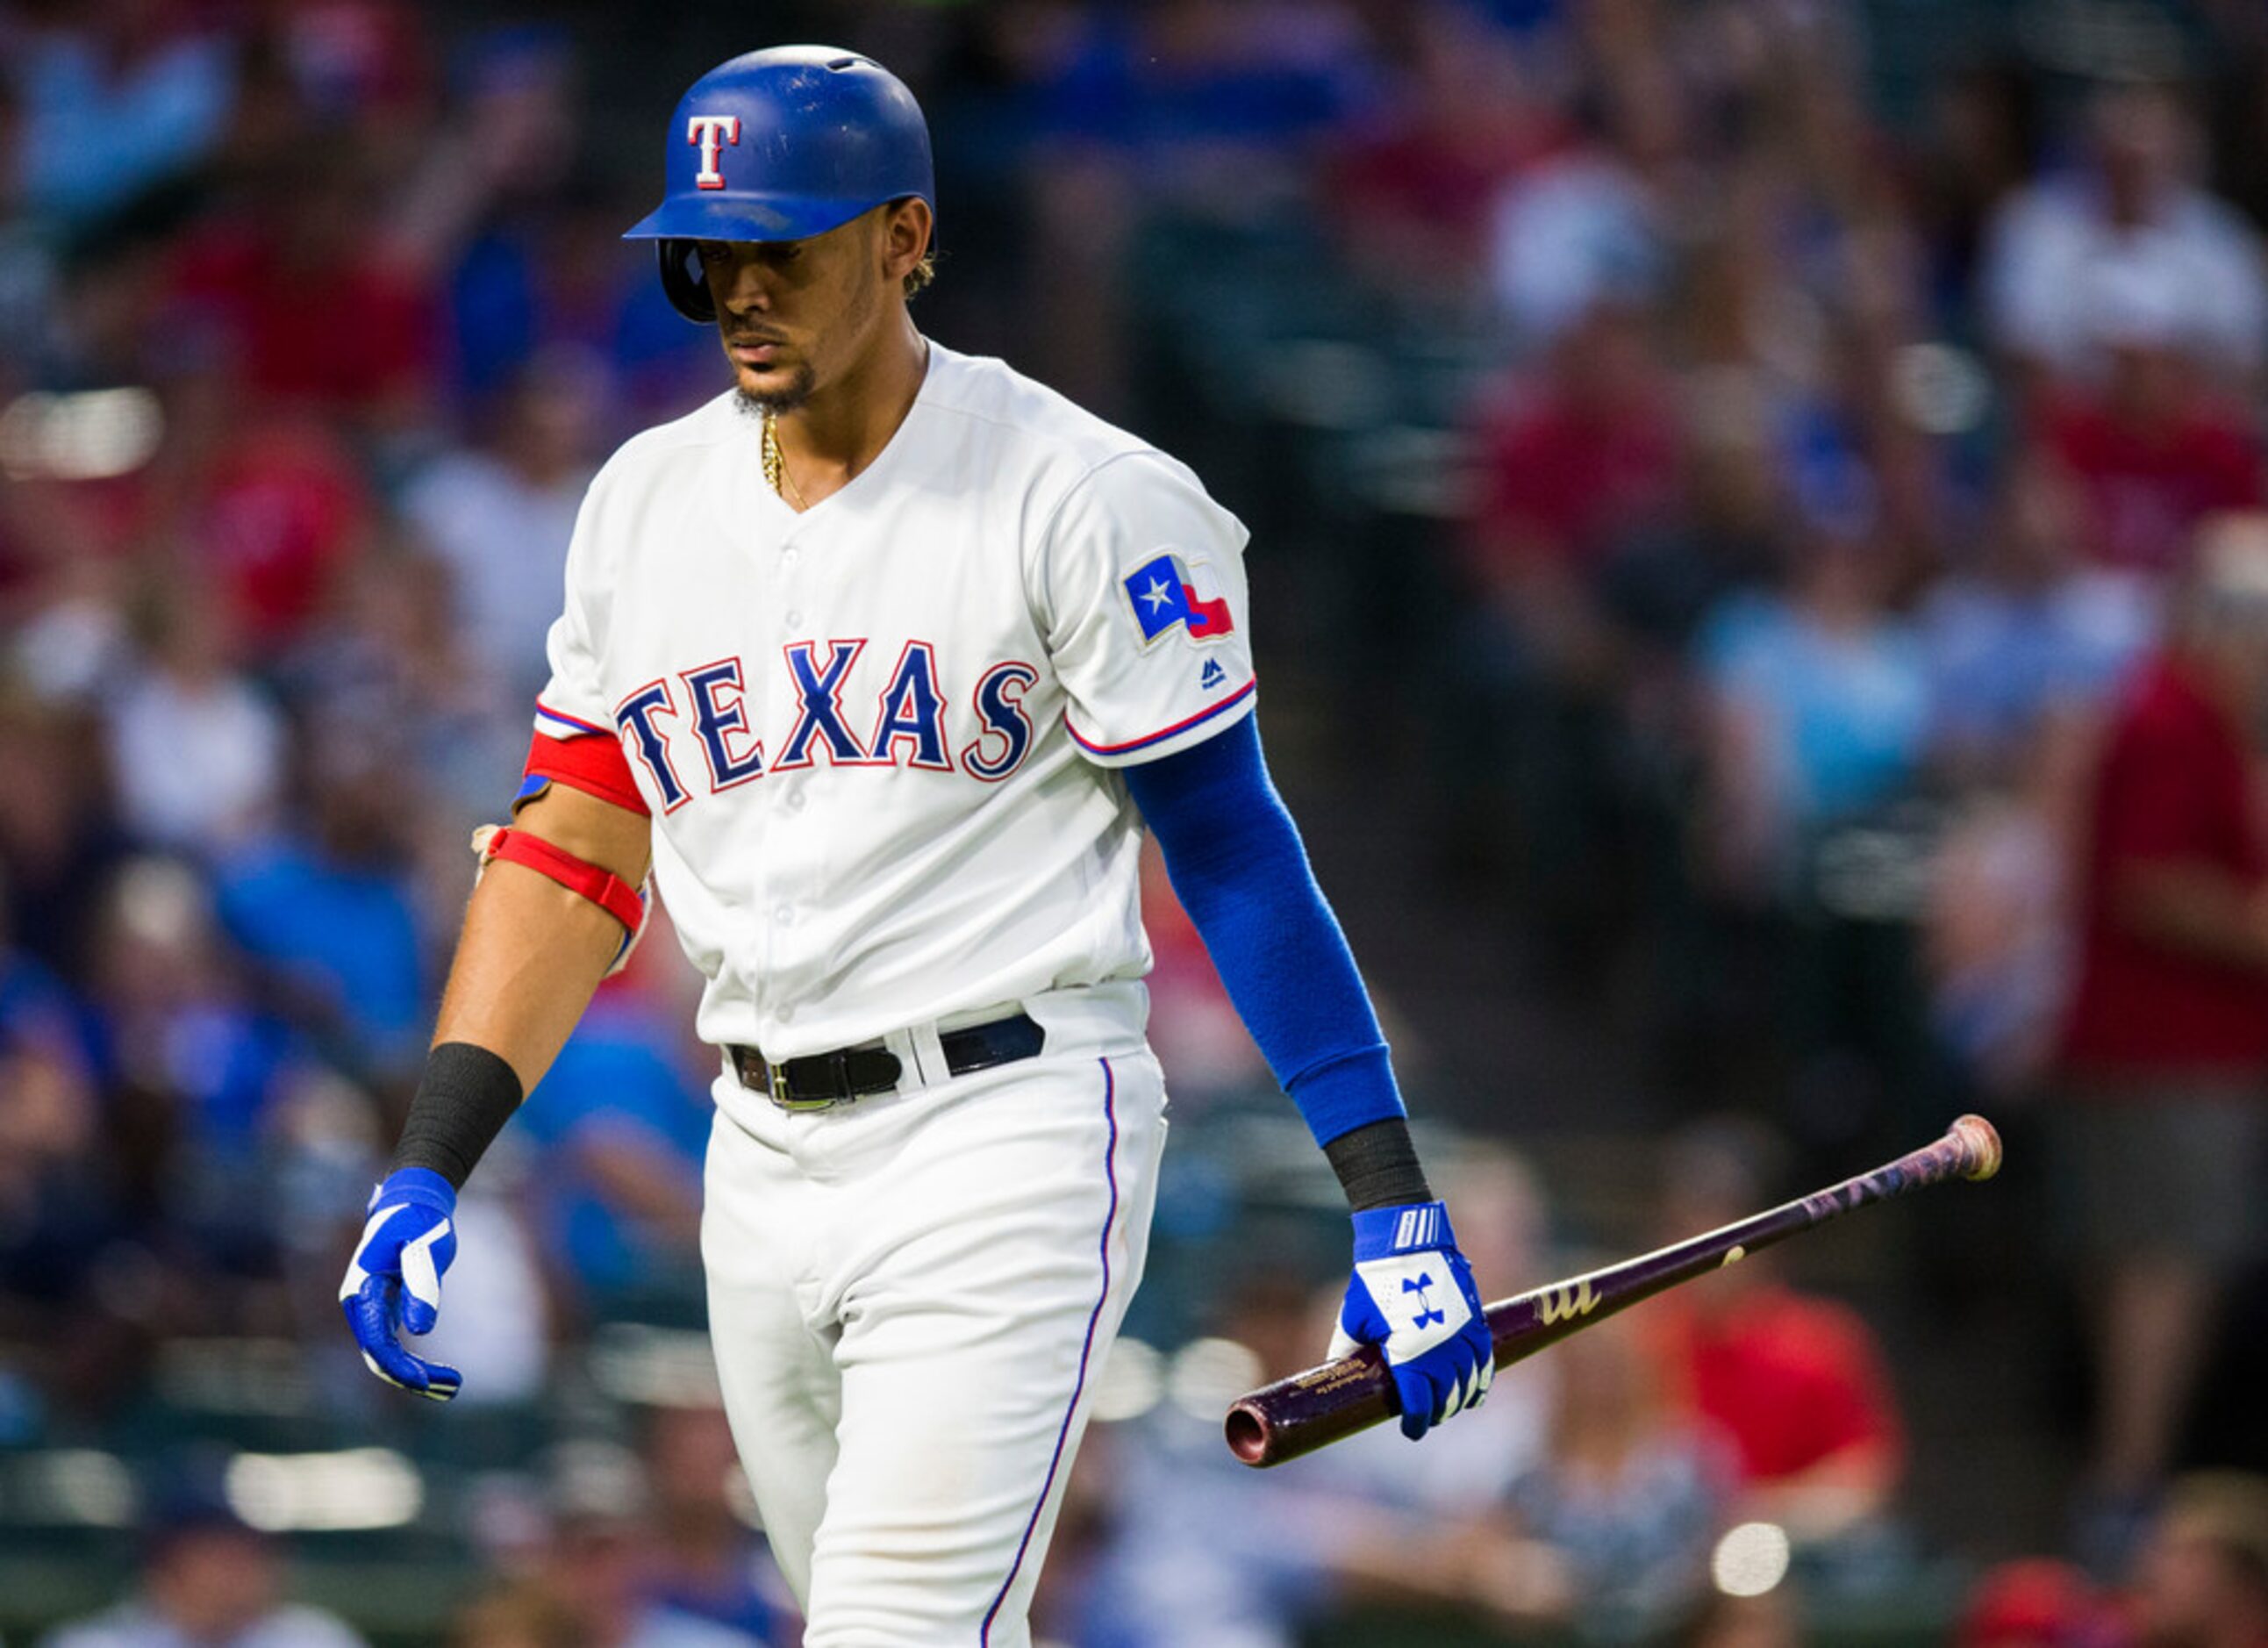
<point>780,145</point>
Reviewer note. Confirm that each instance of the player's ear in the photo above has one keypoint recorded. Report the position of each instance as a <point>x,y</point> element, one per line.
<point>905,226</point>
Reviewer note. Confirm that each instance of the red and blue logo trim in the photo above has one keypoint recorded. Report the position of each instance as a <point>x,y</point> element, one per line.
<point>1165,591</point>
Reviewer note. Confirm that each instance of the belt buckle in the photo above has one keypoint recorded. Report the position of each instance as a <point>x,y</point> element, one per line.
<point>785,1100</point>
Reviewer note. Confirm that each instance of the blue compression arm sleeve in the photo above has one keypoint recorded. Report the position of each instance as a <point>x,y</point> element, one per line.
<point>1235,860</point>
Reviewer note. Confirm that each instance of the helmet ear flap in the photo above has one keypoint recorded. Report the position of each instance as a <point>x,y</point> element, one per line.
<point>683,282</point>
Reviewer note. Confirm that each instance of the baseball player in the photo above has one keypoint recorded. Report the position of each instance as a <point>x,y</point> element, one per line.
<point>881,661</point>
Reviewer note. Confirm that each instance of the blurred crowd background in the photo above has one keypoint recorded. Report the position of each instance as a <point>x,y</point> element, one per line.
<point>1765,618</point>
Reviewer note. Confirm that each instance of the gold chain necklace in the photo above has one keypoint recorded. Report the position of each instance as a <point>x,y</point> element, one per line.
<point>776,473</point>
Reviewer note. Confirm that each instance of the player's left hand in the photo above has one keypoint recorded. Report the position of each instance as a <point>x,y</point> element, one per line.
<point>394,1281</point>
<point>1413,1296</point>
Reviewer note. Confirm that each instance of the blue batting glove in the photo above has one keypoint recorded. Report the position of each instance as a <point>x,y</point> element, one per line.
<point>393,1282</point>
<point>1412,1295</point>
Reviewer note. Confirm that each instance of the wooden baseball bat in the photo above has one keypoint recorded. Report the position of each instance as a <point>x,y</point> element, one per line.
<point>1308,1410</point>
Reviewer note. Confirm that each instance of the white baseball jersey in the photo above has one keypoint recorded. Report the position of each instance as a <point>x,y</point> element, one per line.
<point>874,735</point>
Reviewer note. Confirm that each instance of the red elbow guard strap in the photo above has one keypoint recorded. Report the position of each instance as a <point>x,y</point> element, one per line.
<point>603,887</point>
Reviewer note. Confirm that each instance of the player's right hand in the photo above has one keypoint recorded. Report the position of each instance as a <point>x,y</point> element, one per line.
<point>393,1282</point>
<point>1413,1296</point>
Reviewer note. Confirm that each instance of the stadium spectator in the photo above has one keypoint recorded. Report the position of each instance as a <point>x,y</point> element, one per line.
<point>707,1562</point>
<point>1631,1495</point>
<point>1415,190</point>
<point>1585,227</point>
<point>280,512</point>
<point>59,1220</point>
<point>2152,448</point>
<point>505,211</point>
<point>2163,1132</point>
<point>619,1132</point>
<point>386,673</point>
<point>1576,467</point>
<point>1578,462</point>
<point>2202,1579</point>
<point>2132,217</point>
<point>328,914</point>
<point>242,285</point>
<point>1816,705</point>
<point>2023,649</point>
<point>2027,628</point>
<point>504,152</point>
<point>500,516</point>
<point>196,750</point>
<point>174,1026</point>
<point>1997,914</point>
<point>1211,107</point>
<point>207,1579</point>
<point>59,836</point>
<point>115,101</point>
<point>1985,122</point>
<point>598,1560</point>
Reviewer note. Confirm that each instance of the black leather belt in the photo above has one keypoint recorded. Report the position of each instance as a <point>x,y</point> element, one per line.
<point>818,1080</point>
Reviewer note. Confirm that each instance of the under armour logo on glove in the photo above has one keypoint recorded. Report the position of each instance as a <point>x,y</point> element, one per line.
<point>393,1282</point>
<point>1412,1295</point>
<point>1425,1312</point>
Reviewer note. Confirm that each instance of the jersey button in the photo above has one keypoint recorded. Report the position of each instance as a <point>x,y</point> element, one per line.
<point>789,557</point>
<point>784,916</point>
<point>795,620</point>
<point>795,801</point>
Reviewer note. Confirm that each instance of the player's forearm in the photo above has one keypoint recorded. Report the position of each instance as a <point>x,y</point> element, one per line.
<point>527,963</point>
<point>529,956</point>
<point>532,951</point>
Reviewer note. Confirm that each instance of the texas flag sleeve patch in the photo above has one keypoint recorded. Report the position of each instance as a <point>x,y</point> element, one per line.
<point>1165,591</point>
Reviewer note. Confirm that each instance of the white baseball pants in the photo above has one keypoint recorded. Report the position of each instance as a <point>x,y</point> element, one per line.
<point>910,1299</point>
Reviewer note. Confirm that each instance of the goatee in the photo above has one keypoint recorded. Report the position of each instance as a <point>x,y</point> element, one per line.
<point>773,403</point>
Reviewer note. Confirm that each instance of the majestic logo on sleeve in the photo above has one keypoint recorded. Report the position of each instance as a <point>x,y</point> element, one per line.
<point>1165,591</point>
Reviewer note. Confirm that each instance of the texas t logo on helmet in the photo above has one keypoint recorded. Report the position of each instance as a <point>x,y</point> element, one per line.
<point>709,133</point>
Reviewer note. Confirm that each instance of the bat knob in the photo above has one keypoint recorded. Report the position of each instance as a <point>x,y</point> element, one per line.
<point>1980,1143</point>
<point>1248,1433</point>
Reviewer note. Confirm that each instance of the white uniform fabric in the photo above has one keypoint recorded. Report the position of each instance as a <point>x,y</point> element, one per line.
<point>877,740</point>
<point>869,733</point>
<point>910,1299</point>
